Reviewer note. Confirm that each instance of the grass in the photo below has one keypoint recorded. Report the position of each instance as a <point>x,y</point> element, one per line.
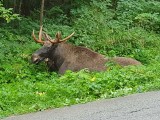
<point>25,87</point>
<point>49,90</point>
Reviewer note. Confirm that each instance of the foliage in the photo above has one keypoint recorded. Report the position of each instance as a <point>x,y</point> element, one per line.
<point>31,92</point>
<point>139,13</point>
<point>7,14</point>
<point>97,28</point>
<point>129,30</point>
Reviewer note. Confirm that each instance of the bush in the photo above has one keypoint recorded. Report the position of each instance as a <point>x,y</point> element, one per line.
<point>25,87</point>
<point>7,14</point>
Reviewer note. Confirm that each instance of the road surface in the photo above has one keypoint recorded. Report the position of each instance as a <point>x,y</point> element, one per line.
<point>144,106</point>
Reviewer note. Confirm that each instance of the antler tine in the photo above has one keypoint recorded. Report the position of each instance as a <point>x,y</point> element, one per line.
<point>58,38</point>
<point>67,37</point>
<point>40,33</point>
<point>58,35</point>
<point>40,36</point>
<point>46,36</point>
<point>49,38</point>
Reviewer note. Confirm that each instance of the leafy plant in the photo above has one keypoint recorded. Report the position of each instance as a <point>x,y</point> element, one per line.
<point>7,14</point>
<point>129,30</point>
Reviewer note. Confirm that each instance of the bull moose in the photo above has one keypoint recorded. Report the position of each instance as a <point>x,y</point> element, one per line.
<point>62,56</point>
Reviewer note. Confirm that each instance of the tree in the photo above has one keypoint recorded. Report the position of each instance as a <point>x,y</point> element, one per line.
<point>41,15</point>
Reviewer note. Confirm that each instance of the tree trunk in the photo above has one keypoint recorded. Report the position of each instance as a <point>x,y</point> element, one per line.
<point>41,14</point>
<point>20,7</point>
<point>15,5</point>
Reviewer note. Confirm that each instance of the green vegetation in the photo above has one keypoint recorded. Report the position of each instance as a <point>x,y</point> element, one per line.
<point>7,14</point>
<point>128,28</point>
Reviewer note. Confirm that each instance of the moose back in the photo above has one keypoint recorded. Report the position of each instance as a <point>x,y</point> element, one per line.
<point>61,56</point>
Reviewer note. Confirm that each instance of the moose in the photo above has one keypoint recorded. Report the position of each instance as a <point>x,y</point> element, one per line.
<point>61,56</point>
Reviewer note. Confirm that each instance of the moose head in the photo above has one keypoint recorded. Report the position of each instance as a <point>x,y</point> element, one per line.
<point>48,47</point>
<point>61,56</point>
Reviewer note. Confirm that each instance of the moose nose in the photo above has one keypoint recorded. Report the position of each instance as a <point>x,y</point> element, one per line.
<point>35,58</point>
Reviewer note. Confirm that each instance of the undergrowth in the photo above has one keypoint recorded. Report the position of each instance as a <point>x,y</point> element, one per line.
<point>25,87</point>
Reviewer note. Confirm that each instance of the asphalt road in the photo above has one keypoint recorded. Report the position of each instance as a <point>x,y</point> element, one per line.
<point>133,107</point>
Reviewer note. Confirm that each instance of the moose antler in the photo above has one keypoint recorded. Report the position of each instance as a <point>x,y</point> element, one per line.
<point>68,37</point>
<point>49,38</point>
<point>58,38</point>
<point>53,41</point>
<point>39,40</point>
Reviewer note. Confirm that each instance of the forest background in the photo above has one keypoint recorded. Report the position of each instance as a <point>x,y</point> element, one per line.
<point>111,27</point>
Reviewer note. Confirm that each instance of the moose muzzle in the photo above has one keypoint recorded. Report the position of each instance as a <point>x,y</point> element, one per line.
<point>36,59</point>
